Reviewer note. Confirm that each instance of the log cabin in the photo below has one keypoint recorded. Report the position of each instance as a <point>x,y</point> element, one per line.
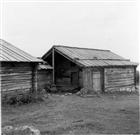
<point>94,69</point>
<point>18,72</point>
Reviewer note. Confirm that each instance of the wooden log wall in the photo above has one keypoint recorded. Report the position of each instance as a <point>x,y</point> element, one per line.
<point>44,77</point>
<point>15,77</point>
<point>118,77</point>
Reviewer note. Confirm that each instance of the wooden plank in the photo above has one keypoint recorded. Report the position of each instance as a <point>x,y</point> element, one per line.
<point>96,80</point>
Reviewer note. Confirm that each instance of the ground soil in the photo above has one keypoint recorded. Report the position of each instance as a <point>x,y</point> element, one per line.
<point>112,113</point>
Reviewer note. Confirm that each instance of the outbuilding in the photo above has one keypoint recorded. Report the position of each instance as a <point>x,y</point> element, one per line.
<point>94,69</point>
<point>18,71</point>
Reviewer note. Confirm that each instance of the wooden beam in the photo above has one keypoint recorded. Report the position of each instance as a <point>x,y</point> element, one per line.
<point>53,64</point>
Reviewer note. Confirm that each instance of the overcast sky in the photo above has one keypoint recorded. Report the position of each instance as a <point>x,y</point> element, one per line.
<point>36,26</point>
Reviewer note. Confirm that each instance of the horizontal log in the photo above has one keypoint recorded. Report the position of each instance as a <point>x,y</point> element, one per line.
<point>118,85</point>
<point>125,71</point>
<point>110,74</point>
<point>119,80</point>
<point>17,74</point>
<point>16,88</point>
<point>120,76</point>
<point>25,82</point>
<point>16,71</point>
<point>118,69</point>
<point>14,79</point>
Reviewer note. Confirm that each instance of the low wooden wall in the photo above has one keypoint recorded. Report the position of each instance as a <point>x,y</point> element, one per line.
<point>43,77</point>
<point>15,77</point>
<point>119,77</point>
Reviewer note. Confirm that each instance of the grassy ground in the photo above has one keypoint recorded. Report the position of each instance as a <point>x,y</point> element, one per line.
<point>113,113</point>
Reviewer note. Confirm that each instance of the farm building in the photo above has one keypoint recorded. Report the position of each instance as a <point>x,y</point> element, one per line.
<point>94,69</point>
<point>18,72</point>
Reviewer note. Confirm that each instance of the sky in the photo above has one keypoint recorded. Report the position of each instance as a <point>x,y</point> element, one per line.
<point>36,26</point>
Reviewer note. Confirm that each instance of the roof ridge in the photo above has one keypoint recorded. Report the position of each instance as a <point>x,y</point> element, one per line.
<point>80,48</point>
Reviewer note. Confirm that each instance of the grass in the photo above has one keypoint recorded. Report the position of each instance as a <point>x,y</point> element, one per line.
<point>113,113</point>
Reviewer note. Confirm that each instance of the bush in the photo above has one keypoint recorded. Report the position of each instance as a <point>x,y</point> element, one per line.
<point>23,98</point>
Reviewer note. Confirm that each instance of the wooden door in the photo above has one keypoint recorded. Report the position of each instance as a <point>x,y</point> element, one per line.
<point>96,81</point>
<point>74,77</point>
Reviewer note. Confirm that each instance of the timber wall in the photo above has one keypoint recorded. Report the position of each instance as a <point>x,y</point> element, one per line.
<point>43,77</point>
<point>15,77</point>
<point>120,77</point>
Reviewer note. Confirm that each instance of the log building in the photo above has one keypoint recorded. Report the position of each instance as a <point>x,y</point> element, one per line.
<point>18,70</point>
<point>95,69</point>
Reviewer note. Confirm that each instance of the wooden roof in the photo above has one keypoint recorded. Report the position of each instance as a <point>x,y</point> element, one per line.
<point>88,57</point>
<point>10,53</point>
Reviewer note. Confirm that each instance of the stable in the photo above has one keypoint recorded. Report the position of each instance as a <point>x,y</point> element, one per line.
<point>94,69</point>
<point>18,72</point>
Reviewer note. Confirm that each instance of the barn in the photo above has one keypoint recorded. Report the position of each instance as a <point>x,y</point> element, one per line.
<point>94,69</point>
<point>18,72</point>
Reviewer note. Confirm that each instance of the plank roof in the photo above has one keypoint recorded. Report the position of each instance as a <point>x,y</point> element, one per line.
<point>88,57</point>
<point>10,53</point>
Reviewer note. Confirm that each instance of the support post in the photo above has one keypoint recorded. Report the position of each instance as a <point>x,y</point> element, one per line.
<point>53,64</point>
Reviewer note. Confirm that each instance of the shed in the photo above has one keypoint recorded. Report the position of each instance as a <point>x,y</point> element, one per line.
<point>44,75</point>
<point>94,69</point>
<point>18,72</point>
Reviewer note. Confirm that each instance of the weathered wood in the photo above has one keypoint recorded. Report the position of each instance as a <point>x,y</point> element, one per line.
<point>117,77</point>
<point>15,76</point>
<point>88,78</point>
<point>96,80</point>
